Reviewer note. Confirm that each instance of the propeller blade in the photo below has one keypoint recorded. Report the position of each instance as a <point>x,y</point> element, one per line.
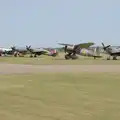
<point>103,45</point>
<point>29,46</point>
<point>108,46</point>
<point>65,49</point>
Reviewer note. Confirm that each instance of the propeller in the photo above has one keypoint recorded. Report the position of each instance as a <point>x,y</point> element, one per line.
<point>65,49</point>
<point>105,47</point>
<point>28,47</point>
<point>13,48</point>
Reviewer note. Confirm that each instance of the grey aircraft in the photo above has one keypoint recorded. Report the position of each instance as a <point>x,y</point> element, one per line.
<point>80,49</point>
<point>19,51</point>
<point>111,51</point>
<point>34,52</point>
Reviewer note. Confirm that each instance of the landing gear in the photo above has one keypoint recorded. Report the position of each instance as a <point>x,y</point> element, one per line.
<point>69,56</point>
<point>114,58</point>
<point>74,57</point>
<point>108,58</point>
<point>31,56</point>
<point>35,55</point>
<point>15,54</point>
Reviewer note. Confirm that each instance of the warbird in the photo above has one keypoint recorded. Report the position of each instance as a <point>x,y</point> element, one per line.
<point>80,49</point>
<point>19,51</point>
<point>34,52</point>
<point>5,51</point>
<point>111,51</point>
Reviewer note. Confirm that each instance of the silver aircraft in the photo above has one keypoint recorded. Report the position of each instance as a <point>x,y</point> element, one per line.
<point>5,51</point>
<point>111,51</point>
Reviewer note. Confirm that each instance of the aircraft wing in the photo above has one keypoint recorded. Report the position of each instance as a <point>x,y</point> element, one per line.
<point>65,44</point>
<point>39,50</point>
<point>84,45</point>
<point>116,53</point>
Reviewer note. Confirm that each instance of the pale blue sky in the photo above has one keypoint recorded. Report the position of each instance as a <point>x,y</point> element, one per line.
<point>43,22</point>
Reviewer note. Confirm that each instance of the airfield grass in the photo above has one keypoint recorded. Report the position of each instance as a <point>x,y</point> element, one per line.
<point>45,60</point>
<point>60,96</point>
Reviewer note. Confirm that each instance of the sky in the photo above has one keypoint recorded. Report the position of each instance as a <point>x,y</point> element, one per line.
<point>44,23</point>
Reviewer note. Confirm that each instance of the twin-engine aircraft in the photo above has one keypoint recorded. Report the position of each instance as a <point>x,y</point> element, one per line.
<point>80,49</point>
<point>111,51</point>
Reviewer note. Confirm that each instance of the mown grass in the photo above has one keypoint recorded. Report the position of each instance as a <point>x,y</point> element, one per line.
<point>45,60</point>
<point>59,96</point>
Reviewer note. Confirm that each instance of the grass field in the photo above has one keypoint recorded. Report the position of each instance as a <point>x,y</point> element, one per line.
<point>60,96</point>
<point>45,60</point>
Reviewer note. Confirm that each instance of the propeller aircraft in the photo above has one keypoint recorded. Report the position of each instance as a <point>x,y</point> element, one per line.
<point>111,51</point>
<point>41,51</point>
<point>5,51</point>
<point>80,49</point>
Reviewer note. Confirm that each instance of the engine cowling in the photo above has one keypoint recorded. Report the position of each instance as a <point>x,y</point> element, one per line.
<point>69,48</point>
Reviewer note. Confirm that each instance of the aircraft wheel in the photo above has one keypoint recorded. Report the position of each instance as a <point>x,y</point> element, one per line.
<point>31,56</point>
<point>35,55</point>
<point>15,55</point>
<point>114,58</point>
<point>108,58</point>
<point>67,57</point>
<point>74,57</point>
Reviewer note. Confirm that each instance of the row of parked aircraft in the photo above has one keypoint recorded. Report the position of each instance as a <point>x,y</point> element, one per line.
<point>71,51</point>
<point>21,51</point>
<point>86,49</point>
